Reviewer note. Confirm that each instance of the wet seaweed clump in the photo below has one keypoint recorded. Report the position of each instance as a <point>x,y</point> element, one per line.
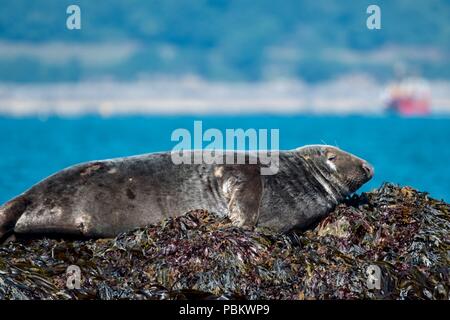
<point>391,243</point>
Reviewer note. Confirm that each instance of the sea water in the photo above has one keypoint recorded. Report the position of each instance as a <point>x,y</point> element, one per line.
<point>407,151</point>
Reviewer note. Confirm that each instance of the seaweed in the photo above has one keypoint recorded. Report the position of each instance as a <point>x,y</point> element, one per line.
<point>397,230</point>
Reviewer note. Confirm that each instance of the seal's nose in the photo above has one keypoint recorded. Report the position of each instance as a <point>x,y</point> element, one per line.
<point>368,169</point>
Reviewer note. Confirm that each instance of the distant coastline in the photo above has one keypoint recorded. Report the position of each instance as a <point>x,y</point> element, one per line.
<point>355,94</point>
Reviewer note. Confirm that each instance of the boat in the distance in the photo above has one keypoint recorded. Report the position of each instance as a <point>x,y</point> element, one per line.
<point>408,97</point>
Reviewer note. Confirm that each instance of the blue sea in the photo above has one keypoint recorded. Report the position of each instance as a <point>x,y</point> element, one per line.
<point>407,151</point>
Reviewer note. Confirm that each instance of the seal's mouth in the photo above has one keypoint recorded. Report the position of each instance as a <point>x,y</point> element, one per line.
<point>368,169</point>
<point>363,173</point>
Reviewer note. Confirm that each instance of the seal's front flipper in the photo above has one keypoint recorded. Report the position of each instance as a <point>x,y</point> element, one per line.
<point>242,186</point>
<point>10,212</point>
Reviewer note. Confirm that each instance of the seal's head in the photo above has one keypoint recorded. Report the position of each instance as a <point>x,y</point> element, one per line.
<point>343,172</point>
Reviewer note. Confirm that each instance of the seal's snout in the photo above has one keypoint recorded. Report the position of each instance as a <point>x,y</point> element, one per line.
<point>368,169</point>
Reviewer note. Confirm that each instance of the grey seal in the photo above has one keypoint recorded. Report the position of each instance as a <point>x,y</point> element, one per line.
<point>108,197</point>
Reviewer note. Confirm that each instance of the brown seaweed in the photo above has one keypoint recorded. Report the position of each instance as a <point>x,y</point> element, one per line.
<point>403,232</point>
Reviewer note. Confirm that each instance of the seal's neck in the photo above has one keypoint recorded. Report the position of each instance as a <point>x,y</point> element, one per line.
<point>325,177</point>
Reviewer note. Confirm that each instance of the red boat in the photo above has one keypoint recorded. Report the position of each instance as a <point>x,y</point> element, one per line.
<point>409,97</point>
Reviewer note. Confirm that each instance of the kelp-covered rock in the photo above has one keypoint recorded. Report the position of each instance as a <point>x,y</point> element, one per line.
<point>400,232</point>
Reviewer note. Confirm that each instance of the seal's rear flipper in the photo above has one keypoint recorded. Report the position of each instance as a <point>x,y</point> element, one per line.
<point>10,212</point>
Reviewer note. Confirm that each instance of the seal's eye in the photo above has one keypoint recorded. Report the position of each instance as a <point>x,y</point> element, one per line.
<point>331,157</point>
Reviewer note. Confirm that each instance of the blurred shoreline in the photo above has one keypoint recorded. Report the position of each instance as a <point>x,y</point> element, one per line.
<point>354,94</point>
